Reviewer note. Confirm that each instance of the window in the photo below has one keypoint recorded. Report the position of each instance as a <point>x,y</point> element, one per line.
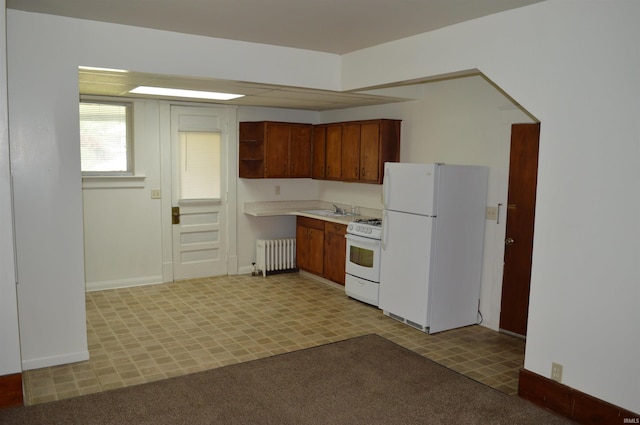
<point>199,165</point>
<point>105,138</point>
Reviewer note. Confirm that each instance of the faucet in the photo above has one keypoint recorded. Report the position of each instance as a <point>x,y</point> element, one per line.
<point>337,210</point>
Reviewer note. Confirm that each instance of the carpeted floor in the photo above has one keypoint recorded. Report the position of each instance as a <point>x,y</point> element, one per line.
<point>364,380</point>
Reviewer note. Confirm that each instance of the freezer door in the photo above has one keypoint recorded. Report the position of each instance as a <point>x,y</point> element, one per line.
<point>405,265</point>
<point>409,188</point>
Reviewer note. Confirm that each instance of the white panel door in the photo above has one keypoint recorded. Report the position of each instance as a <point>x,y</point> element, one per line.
<point>199,138</point>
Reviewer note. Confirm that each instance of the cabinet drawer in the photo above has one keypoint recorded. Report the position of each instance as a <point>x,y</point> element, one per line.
<point>340,229</point>
<point>311,222</point>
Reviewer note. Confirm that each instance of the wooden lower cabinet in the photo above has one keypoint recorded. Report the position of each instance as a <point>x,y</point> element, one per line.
<point>321,248</point>
<point>310,245</point>
<point>335,247</point>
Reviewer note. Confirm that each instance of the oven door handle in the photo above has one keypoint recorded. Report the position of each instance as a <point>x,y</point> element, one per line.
<point>362,241</point>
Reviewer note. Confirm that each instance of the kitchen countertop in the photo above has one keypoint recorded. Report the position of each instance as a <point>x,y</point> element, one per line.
<point>297,208</point>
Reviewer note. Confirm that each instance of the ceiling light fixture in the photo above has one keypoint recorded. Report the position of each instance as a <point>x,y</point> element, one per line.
<point>93,68</point>
<point>161,91</point>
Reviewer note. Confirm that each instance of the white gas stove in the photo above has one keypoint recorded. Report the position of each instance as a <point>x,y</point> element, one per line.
<point>363,259</point>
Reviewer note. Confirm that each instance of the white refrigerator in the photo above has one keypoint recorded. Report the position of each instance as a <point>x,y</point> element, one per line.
<point>432,243</point>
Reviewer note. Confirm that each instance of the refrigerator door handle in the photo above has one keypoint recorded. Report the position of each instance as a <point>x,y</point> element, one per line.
<point>386,185</point>
<point>384,230</point>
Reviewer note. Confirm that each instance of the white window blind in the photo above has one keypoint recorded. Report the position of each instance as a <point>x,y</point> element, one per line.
<point>199,165</point>
<point>105,141</point>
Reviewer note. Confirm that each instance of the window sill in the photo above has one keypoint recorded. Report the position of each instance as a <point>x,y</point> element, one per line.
<point>112,182</point>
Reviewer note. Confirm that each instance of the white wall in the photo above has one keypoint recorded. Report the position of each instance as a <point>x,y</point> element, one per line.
<point>122,224</point>
<point>574,65</point>
<point>9,339</point>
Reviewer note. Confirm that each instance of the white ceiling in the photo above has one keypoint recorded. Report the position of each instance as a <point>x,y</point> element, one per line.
<point>333,26</point>
<point>105,83</point>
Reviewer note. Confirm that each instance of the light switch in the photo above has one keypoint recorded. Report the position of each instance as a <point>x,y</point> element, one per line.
<point>492,213</point>
<point>156,194</point>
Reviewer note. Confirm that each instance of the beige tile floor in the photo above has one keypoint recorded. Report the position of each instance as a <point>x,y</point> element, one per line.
<point>143,334</point>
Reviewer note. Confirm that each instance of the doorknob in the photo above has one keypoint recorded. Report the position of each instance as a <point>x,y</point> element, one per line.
<point>175,215</point>
<point>509,241</point>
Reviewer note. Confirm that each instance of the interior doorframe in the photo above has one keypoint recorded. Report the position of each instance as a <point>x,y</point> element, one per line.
<point>510,114</point>
<point>166,185</point>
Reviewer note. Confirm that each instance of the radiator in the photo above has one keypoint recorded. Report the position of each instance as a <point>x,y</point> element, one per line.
<point>275,256</point>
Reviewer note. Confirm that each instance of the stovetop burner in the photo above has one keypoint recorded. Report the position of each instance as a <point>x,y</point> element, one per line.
<point>370,221</point>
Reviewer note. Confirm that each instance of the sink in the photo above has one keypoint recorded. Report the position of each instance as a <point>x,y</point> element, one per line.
<point>325,213</point>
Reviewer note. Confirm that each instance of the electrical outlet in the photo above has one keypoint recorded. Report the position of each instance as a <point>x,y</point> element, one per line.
<point>492,213</point>
<point>277,190</point>
<point>156,194</point>
<point>556,372</point>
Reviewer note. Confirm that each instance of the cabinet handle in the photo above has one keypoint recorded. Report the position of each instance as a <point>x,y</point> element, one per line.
<point>356,172</point>
<point>362,173</point>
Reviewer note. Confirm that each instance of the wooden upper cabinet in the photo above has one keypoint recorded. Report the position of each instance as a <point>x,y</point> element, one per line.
<point>356,151</point>
<point>352,151</point>
<point>274,149</point>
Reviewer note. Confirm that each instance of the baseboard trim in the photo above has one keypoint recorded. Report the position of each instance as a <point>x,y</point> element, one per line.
<point>122,283</point>
<point>571,403</point>
<point>11,390</point>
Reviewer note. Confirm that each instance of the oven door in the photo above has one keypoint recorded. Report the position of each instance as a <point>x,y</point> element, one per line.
<point>363,258</point>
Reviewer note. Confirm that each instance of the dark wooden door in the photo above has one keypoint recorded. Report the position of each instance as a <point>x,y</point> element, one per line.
<point>523,175</point>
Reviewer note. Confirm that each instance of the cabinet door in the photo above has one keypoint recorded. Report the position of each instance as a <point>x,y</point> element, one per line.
<point>318,162</point>
<point>300,151</point>
<point>251,150</point>
<point>277,150</point>
<point>310,245</point>
<point>333,152</point>
<point>335,247</point>
<point>369,152</point>
<point>316,251</point>
<point>350,151</point>
<point>302,248</point>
